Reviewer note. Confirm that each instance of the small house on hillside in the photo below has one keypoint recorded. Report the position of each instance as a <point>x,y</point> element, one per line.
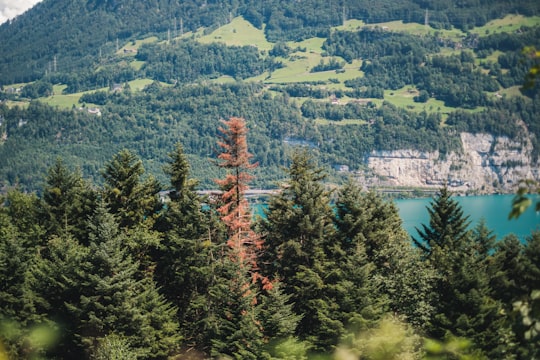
<point>94,111</point>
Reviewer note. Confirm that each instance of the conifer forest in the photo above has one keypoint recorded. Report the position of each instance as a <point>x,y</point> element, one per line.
<point>127,271</point>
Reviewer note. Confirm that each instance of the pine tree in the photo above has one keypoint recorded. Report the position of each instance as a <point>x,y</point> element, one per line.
<point>484,240</point>
<point>178,171</point>
<point>25,213</point>
<point>506,276</point>
<point>465,305</point>
<point>133,200</point>
<point>15,261</point>
<point>447,228</point>
<point>531,262</point>
<point>54,284</point>
<point>300,251</point>
<point>298,223</point>
<point>115,299</point>
<point>184,258</point>
<point>69,201</point>
<point>396,271</point>
<point>233,327</point>
<point>235,211</point>
<point>514,279</point>
<point>235,330</point>
<point>278,319</point>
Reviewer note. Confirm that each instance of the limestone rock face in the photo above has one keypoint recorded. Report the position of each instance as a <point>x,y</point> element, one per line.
<point>488,164</point>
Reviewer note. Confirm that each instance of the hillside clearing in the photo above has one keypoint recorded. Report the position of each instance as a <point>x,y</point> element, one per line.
<point>238,32</point>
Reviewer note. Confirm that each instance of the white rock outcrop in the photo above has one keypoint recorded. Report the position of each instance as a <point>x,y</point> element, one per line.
<point>488,164</point>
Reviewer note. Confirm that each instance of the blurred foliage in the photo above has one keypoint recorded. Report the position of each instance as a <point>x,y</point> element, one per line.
<point>528,190</point>
<point>17,341</point>
<point>391,339</point>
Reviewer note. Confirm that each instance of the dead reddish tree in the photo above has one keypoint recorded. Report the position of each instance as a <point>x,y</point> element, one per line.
<point>235,211</point>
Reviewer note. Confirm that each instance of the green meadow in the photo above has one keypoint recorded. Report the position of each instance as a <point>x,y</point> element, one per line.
<point>510,23</point>
<point>73,100</point>
<point>238,32</point>
<point>135,45</point>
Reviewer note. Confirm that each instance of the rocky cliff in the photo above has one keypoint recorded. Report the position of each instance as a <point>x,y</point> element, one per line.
<point>487,164</point>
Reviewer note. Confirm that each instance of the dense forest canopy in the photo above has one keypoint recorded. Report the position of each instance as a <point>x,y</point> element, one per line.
<point>111,271</point>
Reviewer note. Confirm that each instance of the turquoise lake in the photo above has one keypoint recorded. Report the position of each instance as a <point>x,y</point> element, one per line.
<point>493,208</point>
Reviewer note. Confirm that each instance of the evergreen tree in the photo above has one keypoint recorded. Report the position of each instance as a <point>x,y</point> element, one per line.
<point>484,240</point>
<point>397,273</point>
<point>278,320</point>
<point>233,326</point>
<point>115,299</point>
<point>447,228</point>
<point>298,222</point>
<point>24,212</point>
<point>531,262</point>
<point>465,305</point>
<point>22,236</point>
<point>178,170</point>
<point>506,277</point>
<point>15,261</point>
<point>234,322</point>
<point>185,257</point>
<point>133,200</point>
<point>300,251</point>
<point>54,284</point>
<point>135,203</point>
<point>69,201</point>
<point>527,327</point>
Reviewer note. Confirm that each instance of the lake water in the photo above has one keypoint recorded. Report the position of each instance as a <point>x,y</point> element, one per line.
<point>493,208</point>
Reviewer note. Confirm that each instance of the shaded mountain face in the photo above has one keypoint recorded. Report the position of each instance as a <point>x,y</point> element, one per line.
<point>78,33</point>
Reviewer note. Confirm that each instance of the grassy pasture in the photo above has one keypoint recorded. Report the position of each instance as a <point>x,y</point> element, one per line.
<point>509,23</point>
<point>511,91</point>
<point>418,29</point>
<point>225,79</point>
<point>12,103</point>
<point>139,84</point>
<point>137,65</point>
<point>238,32</point>
<point>312,45</point>
<point>404,98</point>
<point>67,101</point>
<point>493,57</point>
<point>350,25</point>
<point>135,45</point>
<point>62,100</point>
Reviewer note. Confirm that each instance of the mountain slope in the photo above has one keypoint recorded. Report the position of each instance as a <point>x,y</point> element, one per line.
<point>357,91</point>
<point>65,36</point>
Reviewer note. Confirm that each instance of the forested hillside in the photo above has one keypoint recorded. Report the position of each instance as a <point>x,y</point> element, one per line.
<point>148,74</point>
<point>80,33</point>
